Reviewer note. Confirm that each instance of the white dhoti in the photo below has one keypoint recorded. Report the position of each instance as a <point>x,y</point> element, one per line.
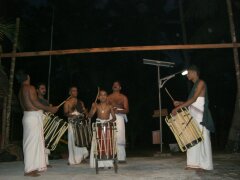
<point>121,140</point>
<point>76,154</point>
<point>104,163</point>
<point>200,155</point>
<point>33,141</point>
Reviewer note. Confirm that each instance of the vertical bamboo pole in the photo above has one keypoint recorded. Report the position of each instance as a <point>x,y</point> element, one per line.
<point>10,90</point>
<point>3,122</point>
<point>235,126</point>
<point>0,56</point>
<point>50,58</point>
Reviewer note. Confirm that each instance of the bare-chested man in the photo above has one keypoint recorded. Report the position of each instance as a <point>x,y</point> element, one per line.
<point>199,157</point>
<point>33,140</point>
<point>120,104</point>
<point>105,113</point>
<point>73,108</point>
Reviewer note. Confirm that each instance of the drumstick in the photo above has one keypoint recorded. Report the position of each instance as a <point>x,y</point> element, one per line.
<point>97,94</point>
<point>64,102</point>
<point>169,94</point>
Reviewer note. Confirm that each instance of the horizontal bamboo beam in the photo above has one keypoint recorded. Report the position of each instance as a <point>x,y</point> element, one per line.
<point>121,49</point>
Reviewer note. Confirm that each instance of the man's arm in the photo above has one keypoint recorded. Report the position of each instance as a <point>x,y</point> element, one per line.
<point>66,109</point>
<point>83,106</point>
<point>197,93</point>
<point>93,110</point>
<point>113,114</point>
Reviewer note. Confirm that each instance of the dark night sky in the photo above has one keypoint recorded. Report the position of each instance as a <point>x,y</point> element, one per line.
<point>107,23</point>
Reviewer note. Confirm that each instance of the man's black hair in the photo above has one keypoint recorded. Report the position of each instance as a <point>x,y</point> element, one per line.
<point>119,82</point>
<point>40,84</point>
<point>194,68</point>
<point>21,76</point>
<point>73,86</point>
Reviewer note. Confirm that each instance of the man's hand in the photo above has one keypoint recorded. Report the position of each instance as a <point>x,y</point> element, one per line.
<point>174,111</point>
<point>94,105</point>
<point>115,109</point>
<point>53,109</point>
<point>176,103</point>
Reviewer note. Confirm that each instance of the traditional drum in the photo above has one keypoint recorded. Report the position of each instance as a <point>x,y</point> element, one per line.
<point>106,138</point>
<point>54,128</point>
<point>185,129</point>
<point>82,131</point>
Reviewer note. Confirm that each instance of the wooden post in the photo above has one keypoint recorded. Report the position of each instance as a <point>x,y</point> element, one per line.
<point>10,90</point>
<point>234,133</point>
<point>4,122</point>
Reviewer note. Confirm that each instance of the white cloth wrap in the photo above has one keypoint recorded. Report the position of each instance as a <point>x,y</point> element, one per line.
<point>33,141</point>
<point>200,155</point>
<point>76,154</point>
<point>121,139</point>
<point>105,163</point>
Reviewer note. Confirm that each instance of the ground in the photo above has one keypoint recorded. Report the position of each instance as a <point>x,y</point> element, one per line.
<point>158,166</point>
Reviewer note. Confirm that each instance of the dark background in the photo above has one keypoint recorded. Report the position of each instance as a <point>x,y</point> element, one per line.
<point>109,23</point>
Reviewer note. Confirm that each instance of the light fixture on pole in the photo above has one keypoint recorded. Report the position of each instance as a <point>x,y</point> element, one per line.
<point>158,64</point>
<point>165,79</point>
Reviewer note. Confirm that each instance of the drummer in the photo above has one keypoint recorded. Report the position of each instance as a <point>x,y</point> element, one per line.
<point>105,113</point>
<point>199,157</point>
<point>73,108</point>
<point>33,140</point>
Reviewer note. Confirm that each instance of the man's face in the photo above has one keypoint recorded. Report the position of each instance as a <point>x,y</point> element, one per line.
<point>42,90</point>
<point>116,86</point>
<point>73,92</point>
<point>191,74</point>
<point>103,96</point>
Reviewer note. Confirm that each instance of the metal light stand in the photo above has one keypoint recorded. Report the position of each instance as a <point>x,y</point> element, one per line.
<point>161,82</point>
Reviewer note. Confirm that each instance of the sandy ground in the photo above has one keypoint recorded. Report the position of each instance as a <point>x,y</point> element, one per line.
<point>226,166</point>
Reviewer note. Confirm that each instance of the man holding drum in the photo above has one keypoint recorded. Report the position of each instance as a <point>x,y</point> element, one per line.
<point>73,108</point>
<point>199,157</point>
<point>120,104</point>
<point>33,140</point>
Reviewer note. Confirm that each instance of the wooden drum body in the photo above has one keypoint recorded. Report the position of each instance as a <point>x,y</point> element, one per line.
<point>185,129</point>
<point>106,138</point>
<point>82,132</point>
<point>54,128</point>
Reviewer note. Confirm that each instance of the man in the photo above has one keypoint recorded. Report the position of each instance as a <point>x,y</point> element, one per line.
<point>33,140</point>
<point>199,157</point>
<point>120,104</point>
<point>105,113</point>
<point>41,92</point>
<point>73,108</point>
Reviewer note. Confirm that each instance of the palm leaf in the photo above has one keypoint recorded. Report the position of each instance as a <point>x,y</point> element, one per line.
<point>7,30</point>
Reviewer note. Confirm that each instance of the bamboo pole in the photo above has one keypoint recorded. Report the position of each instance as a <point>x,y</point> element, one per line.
<point>4,122</point>
<point>121,49</point>
<point>11,77</point>
<point>235,50</point>
<point>234,133</point>
<point>0,55</point>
